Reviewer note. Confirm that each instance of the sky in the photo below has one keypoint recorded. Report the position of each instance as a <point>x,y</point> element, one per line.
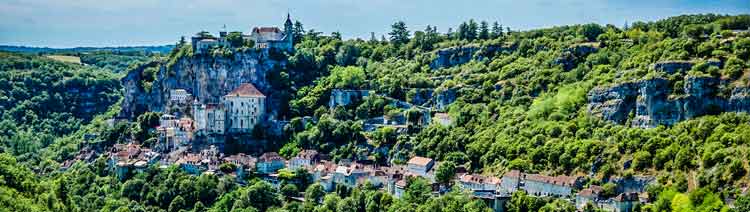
<point>98,23</point>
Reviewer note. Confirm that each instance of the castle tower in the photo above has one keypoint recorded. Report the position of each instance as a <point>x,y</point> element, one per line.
<point>289,31</point>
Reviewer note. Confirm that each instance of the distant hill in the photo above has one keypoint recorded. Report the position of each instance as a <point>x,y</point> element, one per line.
<point>152,49</point>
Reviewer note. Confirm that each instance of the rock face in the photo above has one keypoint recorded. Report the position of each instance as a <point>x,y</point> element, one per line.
<point>651,103</point>
<point>421,96</point>
<point>341,97</point>
<point>206,77</point>
<point>441,99</point>
<point>453,56</point>
<point>573,55</point>
<point>671,67</point>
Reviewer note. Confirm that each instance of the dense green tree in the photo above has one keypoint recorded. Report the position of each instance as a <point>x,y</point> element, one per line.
<point>445,172</point>
<point>484,30</point>
<point>399,33</point>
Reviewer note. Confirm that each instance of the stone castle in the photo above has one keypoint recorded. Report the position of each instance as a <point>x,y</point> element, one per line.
<point>262,37</point>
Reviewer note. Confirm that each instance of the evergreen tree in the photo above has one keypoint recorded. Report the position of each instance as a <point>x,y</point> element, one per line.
<point>497,30</point>
<point>299,31</point>
<point>336,35</point>
<point>484,30</point>
<point>471,32</point>
<point>463,31</point>
<point>399,33</point>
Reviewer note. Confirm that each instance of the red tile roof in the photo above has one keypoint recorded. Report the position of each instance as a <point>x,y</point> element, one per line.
<point>513,173</point>
<point>419,161</point>
<point>267,29</point>
<point>246,90</point>
<point>270,156</point>
<point>479,179</point>
<point>593,191</point>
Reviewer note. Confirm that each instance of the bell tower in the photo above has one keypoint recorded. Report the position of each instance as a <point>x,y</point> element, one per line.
<point>289,31</point>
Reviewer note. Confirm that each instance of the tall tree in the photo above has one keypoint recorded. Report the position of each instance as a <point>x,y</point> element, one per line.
<point>484,30</point>
<point>445,172</point>
<point>471,32</point>
<point>399,33</point>
<point>463,31</point>
<point>497,30</point>
<point>299,32</point>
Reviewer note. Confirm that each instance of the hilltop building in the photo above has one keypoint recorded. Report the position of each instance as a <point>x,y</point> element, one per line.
<point>263,37</point>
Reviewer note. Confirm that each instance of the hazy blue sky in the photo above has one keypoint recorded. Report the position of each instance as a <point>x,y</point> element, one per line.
<point>69,23</point>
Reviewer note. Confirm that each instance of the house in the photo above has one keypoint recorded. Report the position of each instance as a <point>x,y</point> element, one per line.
<point>400,188</point>
<point>207,160</point>
<point>590,195</point>
<point>245,107</point>
<point>420,166</point>
<point>203,41</point>
<point>305,159</point>
<point>541,185</point>
<point>510,181</point>
<point>269,162</point>
<point>625,202</point>
<point>479,183</point>
<point>191,163</point>
<point>166,140</point>
<point>322,173</point>
<point>243,162</point>
<point>167,120</point>
<point>209,118</point>
<point>180,96</point>
<point>127,157</point>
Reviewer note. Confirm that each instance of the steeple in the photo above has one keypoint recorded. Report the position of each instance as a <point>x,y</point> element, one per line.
<point>288,20</point>
<point>289,32</point>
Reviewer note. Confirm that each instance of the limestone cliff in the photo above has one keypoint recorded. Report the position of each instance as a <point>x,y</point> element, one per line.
<point>453,56</point>
<point>206,77</point>
<point>652,102</point>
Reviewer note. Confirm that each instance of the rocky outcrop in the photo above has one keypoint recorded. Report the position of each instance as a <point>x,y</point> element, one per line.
<point>571,56</point>
<point>453,56</point>
<point>671,67</point>
<point>442,98</point>
<point>420,96</point>
<point>651,102</point>
<point>341,97</point>
<point>206,77</point>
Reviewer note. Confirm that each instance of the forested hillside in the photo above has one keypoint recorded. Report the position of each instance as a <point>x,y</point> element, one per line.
<point>516,100</point>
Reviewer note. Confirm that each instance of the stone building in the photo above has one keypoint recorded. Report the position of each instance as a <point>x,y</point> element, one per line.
<point>209,119</point>
<point>306,159</point>
<point>479,183</point>
<point>591,195</point>
<point>245,107</point>
<point>273,37</point>
<point>269,163</point>
<point>541,185</point>
<point>180,96</point>
<point>420,166</point>
<point>510,181</point>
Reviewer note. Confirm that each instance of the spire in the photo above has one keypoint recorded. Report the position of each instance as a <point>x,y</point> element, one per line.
<point>288,19</point>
